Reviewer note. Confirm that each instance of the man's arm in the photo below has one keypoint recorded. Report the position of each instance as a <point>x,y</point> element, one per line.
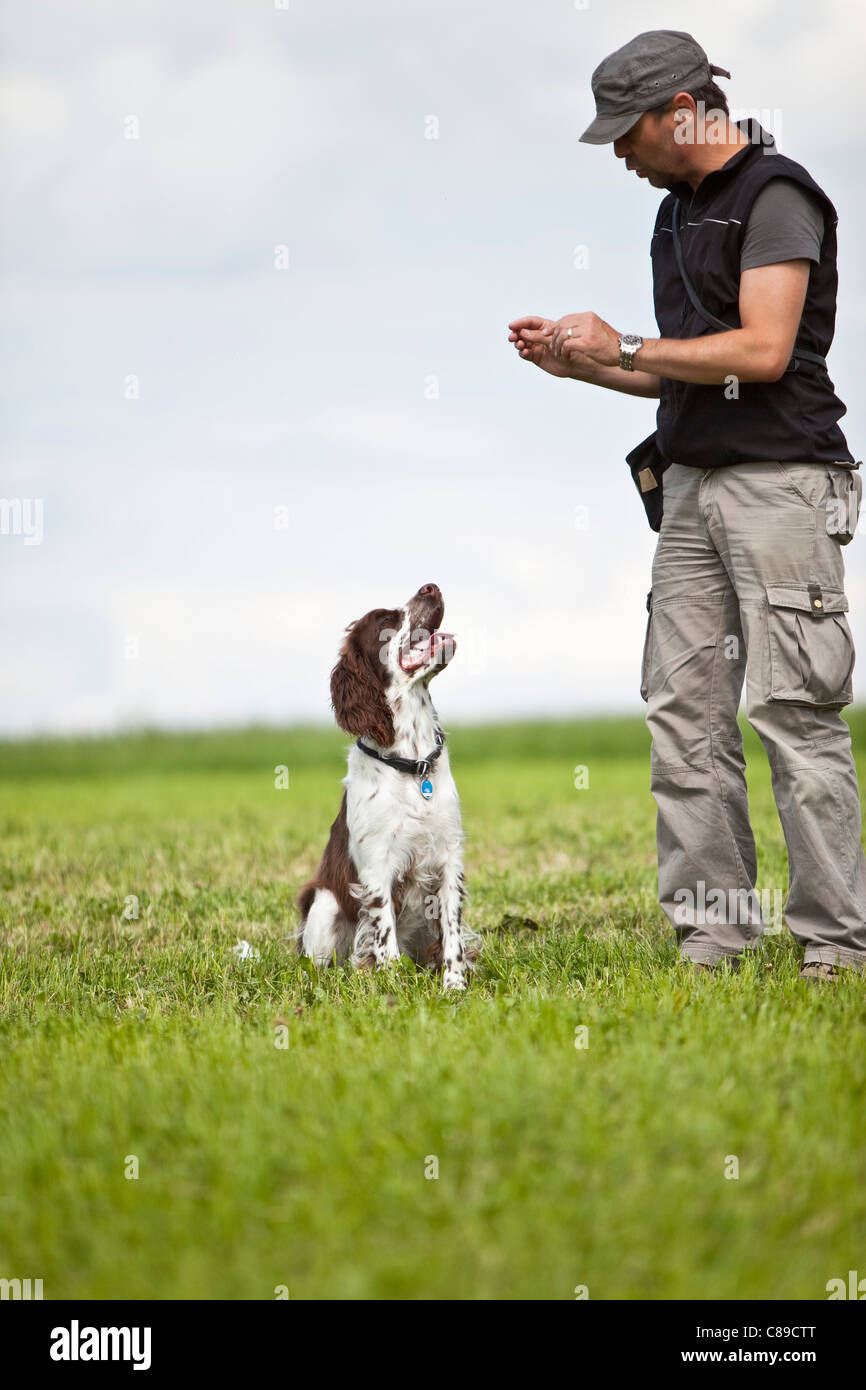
<point>771,306</point>
<point>640,382</point>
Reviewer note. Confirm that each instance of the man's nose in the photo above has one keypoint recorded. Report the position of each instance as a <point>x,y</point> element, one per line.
<point>620,148</point>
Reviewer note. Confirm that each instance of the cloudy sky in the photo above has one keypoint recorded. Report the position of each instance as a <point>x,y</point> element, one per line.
<point>254,347</point>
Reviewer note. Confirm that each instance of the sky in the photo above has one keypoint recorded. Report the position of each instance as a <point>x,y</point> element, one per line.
<point>257,263</point>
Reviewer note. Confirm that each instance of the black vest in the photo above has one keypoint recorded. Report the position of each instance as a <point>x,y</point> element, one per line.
<point>790,420</point>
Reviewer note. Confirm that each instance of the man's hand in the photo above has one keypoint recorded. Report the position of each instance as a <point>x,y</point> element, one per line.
<point>531,337</point>
<point>585,338</point>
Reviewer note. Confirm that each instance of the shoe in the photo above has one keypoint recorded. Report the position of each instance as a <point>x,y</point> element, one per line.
<point>820,970</point>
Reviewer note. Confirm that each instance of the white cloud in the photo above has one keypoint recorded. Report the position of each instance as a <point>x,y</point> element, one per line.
<point>217,144</point>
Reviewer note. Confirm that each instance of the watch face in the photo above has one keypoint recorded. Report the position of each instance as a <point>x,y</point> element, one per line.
<point>631,340</point>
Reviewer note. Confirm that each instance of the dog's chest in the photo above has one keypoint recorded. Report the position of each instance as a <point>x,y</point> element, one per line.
<point>387,811</point>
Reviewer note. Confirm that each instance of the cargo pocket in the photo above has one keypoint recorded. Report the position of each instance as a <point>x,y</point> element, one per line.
<point>646,659</point>
<point>811,648</point>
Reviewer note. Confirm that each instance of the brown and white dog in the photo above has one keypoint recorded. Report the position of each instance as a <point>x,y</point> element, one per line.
<point>391,879</point>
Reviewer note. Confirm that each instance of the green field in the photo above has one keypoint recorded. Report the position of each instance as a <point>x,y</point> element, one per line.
<point>282,1122</point>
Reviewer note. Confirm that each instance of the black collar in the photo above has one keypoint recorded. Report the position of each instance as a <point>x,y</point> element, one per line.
<point>420,768</point>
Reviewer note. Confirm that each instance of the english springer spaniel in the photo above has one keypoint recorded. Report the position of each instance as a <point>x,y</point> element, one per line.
<point>391,879</point>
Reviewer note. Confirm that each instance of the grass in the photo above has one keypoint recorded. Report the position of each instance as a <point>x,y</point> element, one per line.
<point>282,1121</point>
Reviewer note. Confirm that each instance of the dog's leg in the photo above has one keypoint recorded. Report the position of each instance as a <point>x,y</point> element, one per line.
<point>451,929</point>
<point>376,936</point>
<point>418,923</point>
<point>325,930</point>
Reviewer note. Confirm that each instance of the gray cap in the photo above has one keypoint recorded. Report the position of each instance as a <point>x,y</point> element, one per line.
<point>643,74</point>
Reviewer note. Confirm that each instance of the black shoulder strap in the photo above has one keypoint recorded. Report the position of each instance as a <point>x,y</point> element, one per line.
<point>799,354</point>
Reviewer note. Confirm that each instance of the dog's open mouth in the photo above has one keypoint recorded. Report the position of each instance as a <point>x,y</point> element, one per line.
<point>433,649</point>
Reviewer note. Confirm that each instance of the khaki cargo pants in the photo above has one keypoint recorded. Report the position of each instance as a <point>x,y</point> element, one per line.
<point>747,582</point>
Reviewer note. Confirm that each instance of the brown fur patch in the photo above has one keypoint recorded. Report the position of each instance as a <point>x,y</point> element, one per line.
<point>336,871</point>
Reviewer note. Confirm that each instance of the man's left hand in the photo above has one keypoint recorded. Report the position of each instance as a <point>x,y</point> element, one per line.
<point>590,337</point>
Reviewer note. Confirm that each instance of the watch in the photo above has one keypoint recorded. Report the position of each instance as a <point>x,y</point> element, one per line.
<point>629,344</point>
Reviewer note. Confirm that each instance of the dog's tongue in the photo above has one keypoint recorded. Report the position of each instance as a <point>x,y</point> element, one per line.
<point>421,652</point>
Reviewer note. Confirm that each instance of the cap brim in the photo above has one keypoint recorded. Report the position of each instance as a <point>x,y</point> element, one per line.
<point>605,129</point>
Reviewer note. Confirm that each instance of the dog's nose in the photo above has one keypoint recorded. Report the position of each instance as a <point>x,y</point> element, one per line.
<point>430,591</point>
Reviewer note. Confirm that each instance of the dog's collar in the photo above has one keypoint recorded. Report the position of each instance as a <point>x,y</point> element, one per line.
<point>417,767</point>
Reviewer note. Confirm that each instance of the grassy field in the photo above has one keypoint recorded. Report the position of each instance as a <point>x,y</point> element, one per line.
<point>287,1127</point>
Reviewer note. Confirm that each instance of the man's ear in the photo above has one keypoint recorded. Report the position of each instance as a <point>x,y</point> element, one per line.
<point>358,695</point>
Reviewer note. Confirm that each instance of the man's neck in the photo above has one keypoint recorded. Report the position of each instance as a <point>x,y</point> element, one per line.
<point>708,158</point>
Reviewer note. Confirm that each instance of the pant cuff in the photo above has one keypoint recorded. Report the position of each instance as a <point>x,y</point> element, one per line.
<point>835,955</point>
<point>704,956</point>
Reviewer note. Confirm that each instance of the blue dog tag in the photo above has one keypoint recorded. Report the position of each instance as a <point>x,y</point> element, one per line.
<point>426,789</point>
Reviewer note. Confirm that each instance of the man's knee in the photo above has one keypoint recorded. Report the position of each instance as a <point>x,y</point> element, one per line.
<point>693,676</point>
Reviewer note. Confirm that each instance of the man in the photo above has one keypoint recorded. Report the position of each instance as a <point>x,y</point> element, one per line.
<point>759,493</point>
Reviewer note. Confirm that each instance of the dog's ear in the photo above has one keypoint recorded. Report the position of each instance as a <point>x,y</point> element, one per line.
<point>358,688</point>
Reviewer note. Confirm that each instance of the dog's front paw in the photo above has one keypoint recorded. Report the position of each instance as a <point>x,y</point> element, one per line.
<point>388,955</point>
<point>453,979</point>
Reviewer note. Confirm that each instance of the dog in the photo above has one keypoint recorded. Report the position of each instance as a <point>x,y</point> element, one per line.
<point>390,881</point>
